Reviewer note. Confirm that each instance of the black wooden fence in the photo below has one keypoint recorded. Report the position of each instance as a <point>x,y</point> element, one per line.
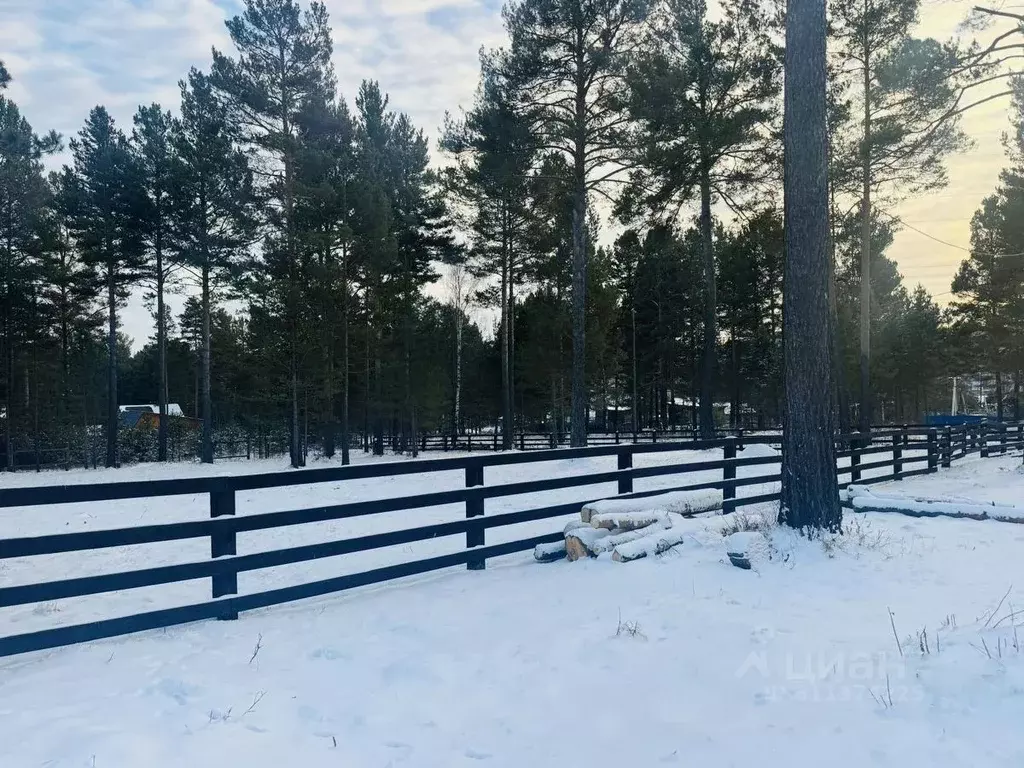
<point>921,449</point>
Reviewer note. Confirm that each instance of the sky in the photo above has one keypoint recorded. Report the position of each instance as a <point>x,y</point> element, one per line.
<point>68,55</point>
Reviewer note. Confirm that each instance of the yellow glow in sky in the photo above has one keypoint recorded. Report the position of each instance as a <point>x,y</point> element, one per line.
<point>946,214</point>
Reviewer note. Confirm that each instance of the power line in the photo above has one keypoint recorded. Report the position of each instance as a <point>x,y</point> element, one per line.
<point>947,243</point>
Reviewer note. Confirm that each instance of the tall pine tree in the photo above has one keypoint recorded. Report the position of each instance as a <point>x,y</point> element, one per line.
<point>108,229</point>
<point>212,211</point>
<point>284,63</point>
<point>566,62</point>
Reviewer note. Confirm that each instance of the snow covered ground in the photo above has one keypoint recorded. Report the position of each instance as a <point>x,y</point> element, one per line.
<point>676,660</point>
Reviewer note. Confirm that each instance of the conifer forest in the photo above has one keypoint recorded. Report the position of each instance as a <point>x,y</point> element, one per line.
<point>594,243</point>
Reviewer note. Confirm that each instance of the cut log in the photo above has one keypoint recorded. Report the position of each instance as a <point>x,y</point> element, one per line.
<point>583,541</point>
<point>549,553</point>
<point>652,544</point>
<point>630,521</point>
<point>619,537</point>
<point>679,502</point>
<point>743,542</point>
<point>863,500</point>
<point>572,525</point>
<point>740,561</point>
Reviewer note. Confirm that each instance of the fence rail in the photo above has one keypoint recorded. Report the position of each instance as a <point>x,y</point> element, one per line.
<point>921,448</point>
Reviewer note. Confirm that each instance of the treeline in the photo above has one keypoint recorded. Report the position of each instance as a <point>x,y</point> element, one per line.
<point>333,271</point>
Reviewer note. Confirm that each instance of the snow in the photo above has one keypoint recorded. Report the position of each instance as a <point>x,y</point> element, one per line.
<point>862,499</point>
<point>546,553</point>
<point>793,663</point>
<point>630,520</point>
<point>742,542</point>
<point>681,502</point>
<point>649,545</point>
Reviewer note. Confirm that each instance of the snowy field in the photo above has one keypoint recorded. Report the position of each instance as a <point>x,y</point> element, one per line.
<point>676,660</point>
<point>37,521</point>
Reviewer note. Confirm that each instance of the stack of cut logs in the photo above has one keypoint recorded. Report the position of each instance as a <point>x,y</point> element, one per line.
<point>629,528</point>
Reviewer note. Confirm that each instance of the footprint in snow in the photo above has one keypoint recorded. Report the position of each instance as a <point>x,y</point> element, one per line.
<point>472,754</point>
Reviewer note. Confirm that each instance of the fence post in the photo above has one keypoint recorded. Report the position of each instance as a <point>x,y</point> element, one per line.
<point>897,456</point>
<point>855,460</point>
<point>522,441</point>
<point>739,442</point>
<point>626,462</point>
<point>495,439</point>
<point>475,508</point>
<point>933,456</point>
<point>469,442</point>
<point>947,448</point>
<point>729,473</point>
<point>222,544</point>
<point>1002,438</point>
<point>654,436</point>
<point>983,439</point>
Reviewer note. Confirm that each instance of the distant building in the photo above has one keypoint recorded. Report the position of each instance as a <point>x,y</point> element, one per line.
<point>148,416</point>
<point>173,409</point>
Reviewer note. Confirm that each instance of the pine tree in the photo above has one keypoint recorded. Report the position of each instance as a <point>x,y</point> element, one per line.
<point>109,213</point>
<point>212,215</point>
<point>496,151</point>
<point>566,61</point>
<point>326,182</point>
<point>750,270</point>
<point>810,495</point>
<point>912,94</point>
<point>423,236</point>
<point>68,293</point>
<point>23,200</point>
<point>284,63</point>
<point>152,148</point>
<point>703,93</point>
<point>375,245</point>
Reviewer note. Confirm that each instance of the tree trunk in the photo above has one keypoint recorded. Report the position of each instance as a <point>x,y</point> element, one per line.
<point>636,395</point>
<point>554,412</point>
<point>161,343</point>
<point>345,458</point>
<point>579,313</point>
<point>378,387</point>
<point>112,409</point>
<point>734,416</point>
<point>842,390</point>
<point>207,444</point>
<point>999,396</point>
<point>366,384</point>
<point>409,399</point>
<point>9,371</point>
<point>1016,396</point>
<point>707,369</point>
<point>810,496</point>
<point>506,391</point>
<point>295,447</point>
<point>457,415</point>
<point>511,346</point>
<point>865,250</point>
